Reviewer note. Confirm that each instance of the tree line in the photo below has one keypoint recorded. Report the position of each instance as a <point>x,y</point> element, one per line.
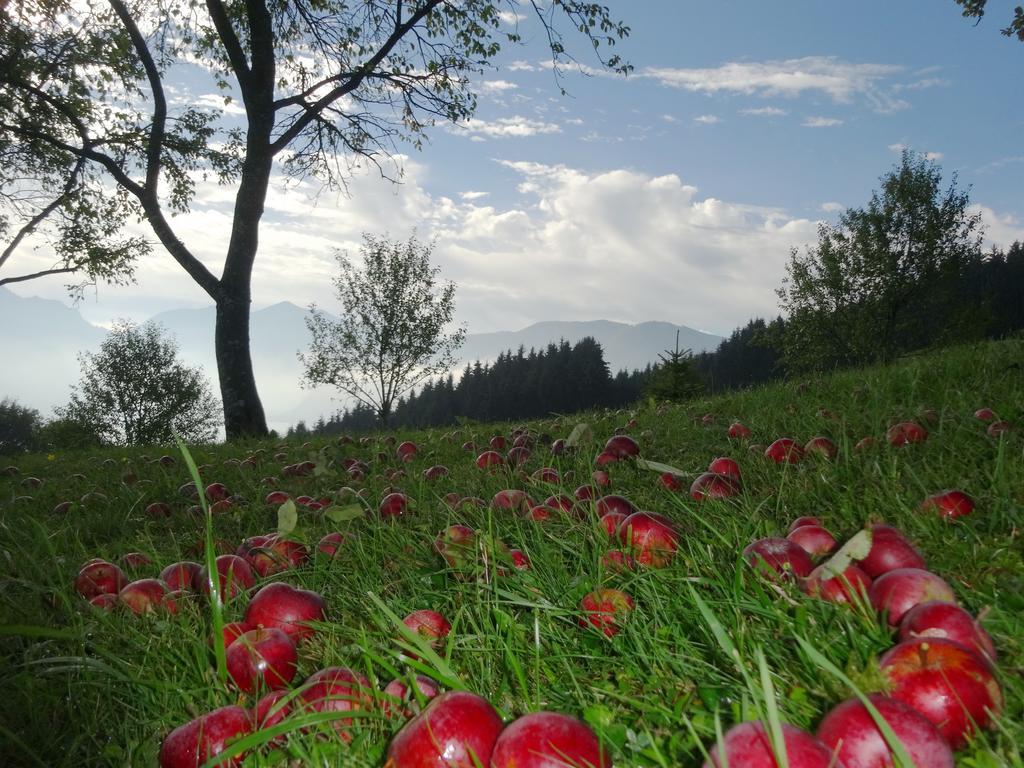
<point>560,378</point>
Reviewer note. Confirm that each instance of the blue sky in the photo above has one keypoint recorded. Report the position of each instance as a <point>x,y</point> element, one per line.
<point>674,194</point>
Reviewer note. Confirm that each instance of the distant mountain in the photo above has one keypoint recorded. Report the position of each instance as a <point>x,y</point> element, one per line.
<point>625,346</point>
<point>40,356</point>
<point>39,344</point>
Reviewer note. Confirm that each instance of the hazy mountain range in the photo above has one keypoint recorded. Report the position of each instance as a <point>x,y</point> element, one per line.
<point>41,340</point>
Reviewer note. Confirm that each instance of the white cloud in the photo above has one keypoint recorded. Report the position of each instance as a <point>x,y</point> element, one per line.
<point>934,156</point>
<point>840,80</point>
<point>821,122</point>
<point>521,66</point>
<point>511,17</point>
<point>764,112</point>
<point>707,119</point>
<point>669,119</point>
<point>897,147</point>
<point>504,127</point>
<point>497,86</point>
<point>473,195</point>
<point>1001,230</point>
<point>900,147</point>
<point>832,207</point>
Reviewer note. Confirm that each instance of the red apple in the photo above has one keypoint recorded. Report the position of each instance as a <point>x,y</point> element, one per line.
<point>511,499</point>
<point>670,481</point>
<point>865,443</point>
<point>272,709</point>
<point>401,700</point>
<point>951,685</point>
<point>279,555</point>
<point>606,609</point>
<point>181,575</point>
<point>330,543</point>
<point>837,589</point>
<point>852,733</point>
<point>457,729</point>
<point>428,624</point>
<point>546,740</point>
<point>517,456</point>
<point>890,550</point>
<point>774,557</point>
<point>802,521</point>
<point>950,622</point>
<point>232,631</point>
<point>489,460</point>
<point>498,443</point>
<point>98,577</point>
<point>546,475</point>
<point>651,537</point>
<point>600,478</point>
<point>133,560</point>
<point>457,545</point>
<point>710,485</point>
<point>289,609</point>
<point>814,539</point>
<point>949,503</point>
<point>896,592</point>
<point>406,451</point>
<point>105,600</point>
<point>195,742</point>
<point>393,505</point>
<point>261,659</point>
<point>748,745</point>
<point>610,522</point>
<point>158,509</point>
<point>276,498</point>
<point>985,414</point>
<point>234,574</point>
<point>435,472</point>
<point>622,447</point>
<point>784,451</point>
<point>217,491</point>
<point>738,430</point>
<point>997,428</point>
<point>617,561</point>
<point>520,560</point>
<point>336,689</point>
<point>614,503</point>
<point>143,595</point>
<point>821,446</point>
<point>561,501</point>
<point>723,465</point>
<point>906,432</point>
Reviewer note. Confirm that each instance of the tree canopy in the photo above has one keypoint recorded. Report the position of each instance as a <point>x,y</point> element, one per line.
<point>393,331</point>
<point>135,391</point>
<point>975,9</point>
<point>93,136</point>
<point>878,283</point>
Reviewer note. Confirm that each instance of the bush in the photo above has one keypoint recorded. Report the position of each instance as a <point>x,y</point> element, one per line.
<point>18,426</point>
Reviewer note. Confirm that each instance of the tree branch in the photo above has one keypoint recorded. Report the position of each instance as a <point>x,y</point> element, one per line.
<point>311,112</point>
<point>232,46</point>
<point>34,275</point>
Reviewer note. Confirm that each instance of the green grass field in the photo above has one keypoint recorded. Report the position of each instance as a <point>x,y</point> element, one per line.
<point>84,687</point>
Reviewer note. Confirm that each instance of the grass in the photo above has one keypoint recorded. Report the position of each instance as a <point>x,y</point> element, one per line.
<point>709,643</point>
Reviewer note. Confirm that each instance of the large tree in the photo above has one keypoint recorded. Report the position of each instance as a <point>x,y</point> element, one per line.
<point>878,282</point>
<point>394,331</point>
<point>976,9</point>
<point>90,140</point>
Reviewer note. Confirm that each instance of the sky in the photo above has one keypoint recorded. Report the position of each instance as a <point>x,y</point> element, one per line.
<point>673,194</point>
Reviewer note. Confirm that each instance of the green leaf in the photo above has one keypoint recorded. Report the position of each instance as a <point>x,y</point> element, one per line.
<point>657,466</point>
<point>857,548</point>
<point>287,517</point>
<point>581,433</point>
<point>343,514</point>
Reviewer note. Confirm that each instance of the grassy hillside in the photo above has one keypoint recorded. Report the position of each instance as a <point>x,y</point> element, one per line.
<point>83,687</point>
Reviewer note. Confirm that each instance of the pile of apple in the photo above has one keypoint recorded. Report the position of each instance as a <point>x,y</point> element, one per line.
<point>940,676</point>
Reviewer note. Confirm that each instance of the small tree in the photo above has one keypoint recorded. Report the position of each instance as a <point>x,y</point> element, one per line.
<point>391,335</point>
<point>878,284</point>
<point>18,427</point>
<point>135,391</point>
<point>676,378</point>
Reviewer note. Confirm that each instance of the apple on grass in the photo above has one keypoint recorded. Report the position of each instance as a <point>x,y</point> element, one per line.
<point>800,522</point>
<point>546,740</point>
<point>337,689</point>
<point>905,433</point>
<point>429,625</point>
<point>896,592</point>
<point>330,543</point>
<point>951,685</point>
<point>145,596</point>
<point>890,550</point>
<point>852,733</point>
<point>209,735</point>
<point>950,622</point>
<point>724,465</point>
<point>457,729</point>
<point>622,447</point>
<point>778,558</point>
<point>785,450</point>
<point>287,608</point>
<point>748,745</point>
<point>651,537</point>
<point>711,485</point>
<point>849,586</point>
<point>949,503</point>
<point>404,701</point>
<point>99,577</point>
<point>272,709</point>
<point>261,659</point>
<point>814,539</point>
<point>181,575</point>
<point>606,609</point>
<point>234,575</point>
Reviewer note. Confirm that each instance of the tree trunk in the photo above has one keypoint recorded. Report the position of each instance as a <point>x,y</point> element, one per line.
<point>243,411</point>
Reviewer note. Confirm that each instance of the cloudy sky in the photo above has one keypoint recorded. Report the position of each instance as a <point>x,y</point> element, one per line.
<point>673,194</point>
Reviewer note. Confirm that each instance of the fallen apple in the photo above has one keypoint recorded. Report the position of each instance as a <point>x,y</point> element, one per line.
<point>457,729</point>
<point>546,740</point>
